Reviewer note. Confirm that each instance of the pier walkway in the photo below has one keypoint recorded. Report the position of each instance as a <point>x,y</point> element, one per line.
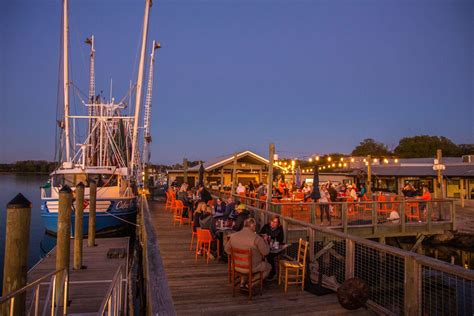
<point>203,289</point>
<point>88,287</point>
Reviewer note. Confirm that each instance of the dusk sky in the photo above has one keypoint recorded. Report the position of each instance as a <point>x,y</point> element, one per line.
<point>310,76</point>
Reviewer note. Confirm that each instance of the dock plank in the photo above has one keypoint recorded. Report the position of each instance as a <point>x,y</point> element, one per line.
<point>87,287</point>
<point>203,289</point>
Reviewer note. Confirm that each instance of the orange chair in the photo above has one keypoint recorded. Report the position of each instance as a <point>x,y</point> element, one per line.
<point>242,267</point>
<point>262,204</point>
<point>168,200</point>
<point>412,211</point>
<point>178,213</point>
<point>193,233</point>
<point>204,240</point>
<point>382,208</point>
<point>287,210</point>
<point>299,195</point>
<point>173,201</point>
<point>302,213</point>
<point>351,208</point>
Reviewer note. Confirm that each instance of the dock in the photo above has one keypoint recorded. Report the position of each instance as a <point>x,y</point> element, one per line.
<point>203,289</point>
<point>88,287</point>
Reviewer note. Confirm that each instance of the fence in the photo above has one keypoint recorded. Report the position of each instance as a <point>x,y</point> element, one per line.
<point>114,302</point>
<point>401,282</point>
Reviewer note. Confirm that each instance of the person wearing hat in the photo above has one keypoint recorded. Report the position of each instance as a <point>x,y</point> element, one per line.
<point>241,215</point>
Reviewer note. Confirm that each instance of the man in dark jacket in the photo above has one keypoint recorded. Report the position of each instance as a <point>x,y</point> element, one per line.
<point>332,192</point>
<point>204,194</point>
<point>242,215</point>
<point>229,208</point>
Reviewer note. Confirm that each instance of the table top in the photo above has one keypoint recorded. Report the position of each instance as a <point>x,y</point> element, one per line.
<point>279,249</point>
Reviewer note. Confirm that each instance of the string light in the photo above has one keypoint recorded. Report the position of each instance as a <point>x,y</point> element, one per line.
<point>375,160</point>
<point>311,169</point>
<point>345,165</point>
<point>365,160</point>
<point>329,158</point>
<point>396,160</point>
<point>385,160</point>
<point>319,168</point>
<point>310,159</point>
<point>342,158</point>
<point>333,164</point>
<point>352,159</point>
<point>340,165</point>
<point>317,158</point>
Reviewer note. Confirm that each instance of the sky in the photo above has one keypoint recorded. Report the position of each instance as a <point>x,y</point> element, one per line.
<point>313,76</point>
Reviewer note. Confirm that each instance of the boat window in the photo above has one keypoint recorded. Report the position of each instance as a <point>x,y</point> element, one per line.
<point>104,180</point>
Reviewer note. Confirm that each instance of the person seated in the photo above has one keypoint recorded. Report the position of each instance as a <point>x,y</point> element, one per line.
<point>229,208</point>
<point>247,239</point>
<point>200,209</point>
<point>271,232</point>
<point>409,191</point>
<point>219,208</point>
<point>204,195</point>
<point>241,215</point>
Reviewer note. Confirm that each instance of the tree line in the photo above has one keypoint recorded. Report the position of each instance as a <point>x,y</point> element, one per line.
<point>29,166</point>
<point>422,146</point>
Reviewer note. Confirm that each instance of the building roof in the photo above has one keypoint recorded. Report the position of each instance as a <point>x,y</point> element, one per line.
<point>422,170</point>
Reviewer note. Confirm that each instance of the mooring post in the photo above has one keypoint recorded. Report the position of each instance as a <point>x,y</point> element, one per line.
<point>15,267</point>
<point>78,226</point>
<point>92,208</point>
<point>63,239</point>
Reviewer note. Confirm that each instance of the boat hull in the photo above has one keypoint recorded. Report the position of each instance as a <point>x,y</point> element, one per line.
<point>108,222</point>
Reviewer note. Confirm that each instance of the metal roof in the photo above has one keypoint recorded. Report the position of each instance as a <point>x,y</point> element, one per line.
<point>452,170</point>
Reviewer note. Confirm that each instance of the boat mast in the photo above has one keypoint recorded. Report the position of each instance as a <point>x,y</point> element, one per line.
<point>138,94</point>
<point>66,77</point>
<point>146,125</point>
<point>91,145</point>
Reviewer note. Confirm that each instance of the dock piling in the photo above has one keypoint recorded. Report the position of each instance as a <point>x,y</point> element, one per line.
<point>64,235</point>
<point>17,237</point>
<point>92,209</point>
<point>78,226</point>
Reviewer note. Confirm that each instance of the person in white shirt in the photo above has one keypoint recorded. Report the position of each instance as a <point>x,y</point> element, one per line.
<point>240,188</point>
<point>324,203</point>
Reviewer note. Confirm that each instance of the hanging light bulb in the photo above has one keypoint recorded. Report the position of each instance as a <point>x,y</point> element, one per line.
<point>317,158</point>
<point>311,169</point>
<point>385,160</point>
<point>342,158</point>
<point>375,160</point>
<point>365,160</point>
<point>319,168</point>
<point>345,164</point>
<point>310,159</point>
<point>352,159</point>
<point>396,160</point>
<point>340,165</point>
<point>329,158</point>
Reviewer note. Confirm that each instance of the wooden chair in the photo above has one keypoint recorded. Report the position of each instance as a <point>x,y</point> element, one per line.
<point>242,267</point>
<point>204,240</point>
<point>298,267</point>
<point>178,213</point>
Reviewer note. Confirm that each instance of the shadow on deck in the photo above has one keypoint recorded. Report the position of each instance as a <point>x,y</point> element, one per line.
<point>200,288</point>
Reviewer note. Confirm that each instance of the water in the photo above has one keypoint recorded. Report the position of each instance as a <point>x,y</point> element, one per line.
<point>29,186</point>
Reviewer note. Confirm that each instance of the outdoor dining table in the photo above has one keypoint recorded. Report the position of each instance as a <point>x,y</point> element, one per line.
<point>278,250</point>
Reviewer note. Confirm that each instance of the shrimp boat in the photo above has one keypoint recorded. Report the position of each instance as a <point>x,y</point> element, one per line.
<point>113,150</point>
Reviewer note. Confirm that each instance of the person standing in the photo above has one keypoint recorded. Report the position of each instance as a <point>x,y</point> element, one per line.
<point>324,203</point>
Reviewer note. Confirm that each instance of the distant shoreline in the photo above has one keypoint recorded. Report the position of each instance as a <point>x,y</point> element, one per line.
<point>24,172</point>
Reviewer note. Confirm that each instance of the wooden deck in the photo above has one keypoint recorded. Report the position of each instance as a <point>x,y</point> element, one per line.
<point>87,287</point>
<point>203,289</point>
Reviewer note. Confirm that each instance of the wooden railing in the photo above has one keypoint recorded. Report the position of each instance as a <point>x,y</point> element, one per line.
<point>157,293</point>
<point>401,282</point>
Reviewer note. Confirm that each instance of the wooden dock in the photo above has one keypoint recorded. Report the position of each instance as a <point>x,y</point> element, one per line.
<point>203,289</point>
<point>87,287</point>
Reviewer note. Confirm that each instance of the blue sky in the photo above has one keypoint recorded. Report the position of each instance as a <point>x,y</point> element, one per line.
<point>310,76</point>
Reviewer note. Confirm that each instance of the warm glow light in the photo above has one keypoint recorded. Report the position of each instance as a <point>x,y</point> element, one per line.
<point>293,162</point>
<point>342,158</point>
<point>317,158</point>
<point>310,159</point>
<point>319,168</point>
<point>375,160</point>
<point>352,159</point>
<point>329,158</point>
<point>324,167</point>
<point>385,160</point>
<point>365,160</point>
<point>284,163</point>
<point>340,165</point>
<point>311,169</point>
<point>333,164</point>
<point>396,160</point>
<point>345,165</point>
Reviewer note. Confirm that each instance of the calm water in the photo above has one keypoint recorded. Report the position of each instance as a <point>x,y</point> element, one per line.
<point>28,185</point>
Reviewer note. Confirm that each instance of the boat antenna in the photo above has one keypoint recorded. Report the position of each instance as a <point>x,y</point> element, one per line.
<point>138,94</point>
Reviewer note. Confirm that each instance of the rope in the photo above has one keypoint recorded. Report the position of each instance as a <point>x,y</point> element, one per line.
<point>123,220</point>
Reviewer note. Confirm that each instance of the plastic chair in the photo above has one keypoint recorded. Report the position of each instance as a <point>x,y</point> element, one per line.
<point>298,267</point>
<point>204,240</point>
<point>193,233</point>
<point>168,200</point>
<point>242,267</point>
<point>178,213</point>
<point>412,211</point>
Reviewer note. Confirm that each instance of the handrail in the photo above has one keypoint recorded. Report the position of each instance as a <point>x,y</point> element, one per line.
<point>113,300</point>
<point>158,294</point>
<point>35,299</point>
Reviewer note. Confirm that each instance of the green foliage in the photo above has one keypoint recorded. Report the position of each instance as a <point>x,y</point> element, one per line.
<point>370,147</point>
<point>29,166</point>
<point>466,149</point>
<point>425,146</point>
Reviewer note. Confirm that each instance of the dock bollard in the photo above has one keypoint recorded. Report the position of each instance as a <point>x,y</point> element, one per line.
<point>92,208</point>
<point>78,226</point>
<point>15,267</point>
<point>63,238</point>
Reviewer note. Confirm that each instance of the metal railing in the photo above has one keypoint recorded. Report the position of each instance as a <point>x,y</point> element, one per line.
<point>114,302</point>
<point>52,295</point>
<point>401,282</point>
<point>158,295</point>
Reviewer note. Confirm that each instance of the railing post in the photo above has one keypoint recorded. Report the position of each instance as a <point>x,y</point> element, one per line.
<point>63,239</point>
<point>350,258</point>
<point>15,267</point>
<point>453,215</point>
<point>374,218</point>
<point>429,210</point>
<point>402,207</point>
<point>311,244</point>
<point>78,226</point>
<point>92,209</point>
<point>412,286</point>
<point>313,213</point>
<point>344,217</point>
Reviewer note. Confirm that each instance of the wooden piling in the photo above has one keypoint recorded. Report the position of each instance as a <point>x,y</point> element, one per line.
<point>15,267</point>
<point>78,226</point>
<point>63,238</point>
<point>92,208</point>
<point>185,170</point>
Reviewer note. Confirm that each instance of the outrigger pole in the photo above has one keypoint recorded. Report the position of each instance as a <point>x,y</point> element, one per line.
<point>138,94</point>
<point>66,78</point>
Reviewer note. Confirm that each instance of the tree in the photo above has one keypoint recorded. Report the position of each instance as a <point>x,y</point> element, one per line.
<point>370,147</point>
<point>425,146</point>
<point>466,149</point>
